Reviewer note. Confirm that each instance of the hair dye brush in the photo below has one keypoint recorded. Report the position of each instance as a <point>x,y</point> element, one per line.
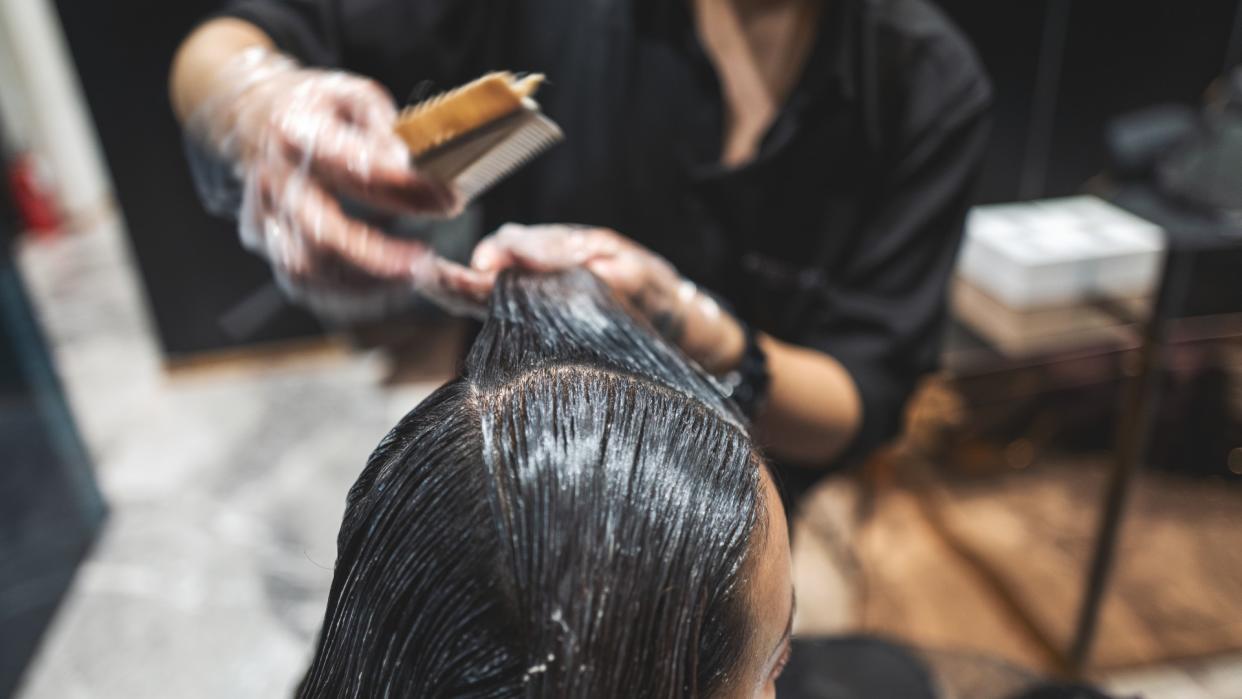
<point>475,135</point>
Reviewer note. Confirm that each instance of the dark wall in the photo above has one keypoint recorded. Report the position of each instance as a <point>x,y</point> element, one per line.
<point>192,266</point>
<point>1062,69</point>
<point>1007,36</point>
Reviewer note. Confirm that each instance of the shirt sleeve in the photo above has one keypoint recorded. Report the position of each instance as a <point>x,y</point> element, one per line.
<point>882,316</point>
<point>305,29</point>
<point>401,43</point>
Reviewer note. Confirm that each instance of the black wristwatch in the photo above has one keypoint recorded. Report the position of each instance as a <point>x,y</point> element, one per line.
<point>748,382</point>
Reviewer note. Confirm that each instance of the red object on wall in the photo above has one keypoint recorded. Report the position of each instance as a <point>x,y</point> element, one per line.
<point>32,195</point>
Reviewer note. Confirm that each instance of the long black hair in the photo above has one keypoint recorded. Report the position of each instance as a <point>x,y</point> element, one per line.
<point>571,518</point>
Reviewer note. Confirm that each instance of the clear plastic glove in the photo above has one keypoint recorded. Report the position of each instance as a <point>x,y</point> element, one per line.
<point>301,139</point>
<point>647,282</point>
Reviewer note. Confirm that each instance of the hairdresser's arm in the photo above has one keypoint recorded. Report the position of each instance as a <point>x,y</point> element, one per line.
<point>812,409</point>
<point>272,117</point>
<point>196,66</point>
<point>285,143</point>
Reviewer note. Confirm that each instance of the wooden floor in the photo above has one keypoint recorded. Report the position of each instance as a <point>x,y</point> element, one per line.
<point>995,565</point>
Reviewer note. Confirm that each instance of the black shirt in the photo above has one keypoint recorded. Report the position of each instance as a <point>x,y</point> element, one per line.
<point>840,235</point>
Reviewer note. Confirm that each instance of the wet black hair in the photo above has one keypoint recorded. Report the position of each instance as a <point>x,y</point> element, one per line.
<point>571,518</point>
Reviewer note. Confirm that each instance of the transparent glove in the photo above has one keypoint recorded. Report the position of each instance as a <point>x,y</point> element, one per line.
<point>302,140</point>
<point>648,283</point>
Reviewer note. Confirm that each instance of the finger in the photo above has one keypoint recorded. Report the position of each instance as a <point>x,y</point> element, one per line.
<point>367,104</point>
<point>370,108</point>
<point>622,277</point>
<point>529,247</point>
<point>542,248</point>
<point>265,231</point>
<point>608,269</point>
<point>489,257</point>
<point>375,168</point>
<point>320,221</point>
<point>285,251</point>
<point>463,282</point>
<point>368,164</point>
<point>493,253</point>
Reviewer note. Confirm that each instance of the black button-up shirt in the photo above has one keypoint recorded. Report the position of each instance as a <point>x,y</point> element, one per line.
<point>841,233</point>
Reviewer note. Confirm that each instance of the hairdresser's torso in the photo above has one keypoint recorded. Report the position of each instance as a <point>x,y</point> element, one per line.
<point>838,232</point>
<point>641,106</point>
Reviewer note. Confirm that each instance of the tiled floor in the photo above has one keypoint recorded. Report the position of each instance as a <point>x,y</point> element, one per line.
<point>226,488</point>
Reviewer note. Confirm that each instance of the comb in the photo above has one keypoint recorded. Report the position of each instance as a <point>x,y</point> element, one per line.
<point>475,135</point>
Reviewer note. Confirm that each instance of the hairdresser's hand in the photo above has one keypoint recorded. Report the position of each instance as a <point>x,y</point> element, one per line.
<point>647,282</point>
<point>300,138</point>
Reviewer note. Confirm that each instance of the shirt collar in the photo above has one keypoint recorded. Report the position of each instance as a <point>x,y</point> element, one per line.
<point>832,63</point>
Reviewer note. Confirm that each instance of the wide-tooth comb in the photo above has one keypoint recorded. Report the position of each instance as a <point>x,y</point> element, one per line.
<point>475,135</point>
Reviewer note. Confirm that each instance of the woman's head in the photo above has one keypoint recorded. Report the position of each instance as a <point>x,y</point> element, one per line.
<point>580,515</point>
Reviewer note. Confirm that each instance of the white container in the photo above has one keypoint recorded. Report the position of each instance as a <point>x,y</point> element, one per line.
<point>1059,252</point>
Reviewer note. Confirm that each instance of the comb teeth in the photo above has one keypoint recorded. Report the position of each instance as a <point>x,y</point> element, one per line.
<point>533,137</point>
<point>473,136</point>
<point>437,120</point>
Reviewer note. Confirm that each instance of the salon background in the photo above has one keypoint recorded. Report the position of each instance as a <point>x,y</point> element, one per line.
<point>176,441</point>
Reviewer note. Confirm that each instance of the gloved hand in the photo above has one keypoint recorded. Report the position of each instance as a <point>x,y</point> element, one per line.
<point>299,138</point>
<point>647,282</point>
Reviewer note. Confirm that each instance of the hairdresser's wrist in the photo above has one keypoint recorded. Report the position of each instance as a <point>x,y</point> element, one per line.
<point>713,337</point>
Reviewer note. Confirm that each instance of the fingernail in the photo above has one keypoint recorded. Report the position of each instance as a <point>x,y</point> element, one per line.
<point>484,259</point>
<point>393,155</point>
